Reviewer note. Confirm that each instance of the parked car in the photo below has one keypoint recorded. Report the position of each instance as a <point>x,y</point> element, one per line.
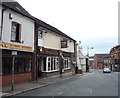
<point>106,70</point>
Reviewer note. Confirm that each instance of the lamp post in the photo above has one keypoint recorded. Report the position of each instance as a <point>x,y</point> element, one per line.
<point>87,59</point>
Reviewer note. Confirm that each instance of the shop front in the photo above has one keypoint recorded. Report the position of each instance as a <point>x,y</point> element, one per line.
<point>22,64</point>
<point>48,62</point>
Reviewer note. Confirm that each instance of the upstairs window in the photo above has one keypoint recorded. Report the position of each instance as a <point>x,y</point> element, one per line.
<point>40,34</point>
<point>16,32</point>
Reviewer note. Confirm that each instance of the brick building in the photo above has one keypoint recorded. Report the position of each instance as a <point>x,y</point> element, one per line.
<point>99,60</point>
<point>115,58</point>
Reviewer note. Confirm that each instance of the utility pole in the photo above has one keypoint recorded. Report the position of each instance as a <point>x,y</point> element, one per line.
<point>87,59</point>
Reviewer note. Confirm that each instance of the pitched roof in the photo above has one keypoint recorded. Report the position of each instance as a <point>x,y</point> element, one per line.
<point>106,56</point>
<point>15,6</point>
<point>115,48</point>
<point>47,26</point>
<point>101,55</point>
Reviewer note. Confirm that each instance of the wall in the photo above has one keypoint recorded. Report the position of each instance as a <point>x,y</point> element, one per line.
<point>0,17</point>
<point>27,29</point>
<point>52,41</point>
<point>8,78</point>
<point>95,62</point>
<point>70,47</point>
<point>0,13</point>
<point>100,65</point>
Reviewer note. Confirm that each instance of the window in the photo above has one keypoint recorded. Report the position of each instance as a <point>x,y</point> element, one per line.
<point>16,32</point>
<point>52,63</point>
<point>6,65</point>
<point>21,65</point>
<point>66,63</point>
<point>40,34</point>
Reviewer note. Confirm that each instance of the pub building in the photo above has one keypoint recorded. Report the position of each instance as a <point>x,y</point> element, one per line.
<point>16,40</point>
<point>32,44</point>
<point>49,43</point>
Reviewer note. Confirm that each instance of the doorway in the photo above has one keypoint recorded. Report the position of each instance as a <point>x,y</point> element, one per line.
<point>41,65</point>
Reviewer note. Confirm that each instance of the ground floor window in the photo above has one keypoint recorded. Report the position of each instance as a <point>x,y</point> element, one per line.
<point>66,63</point>
<point>21,65</point>
<point>7,65</point>
<point>52,64</point>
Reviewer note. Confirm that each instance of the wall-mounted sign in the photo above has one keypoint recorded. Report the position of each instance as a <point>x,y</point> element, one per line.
<point>64,44</point>
<point>14,52</point>
<point>12,46</point>
<point>48,52</point>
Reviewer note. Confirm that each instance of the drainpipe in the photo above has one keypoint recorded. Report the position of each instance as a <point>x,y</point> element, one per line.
<point>2,22</point>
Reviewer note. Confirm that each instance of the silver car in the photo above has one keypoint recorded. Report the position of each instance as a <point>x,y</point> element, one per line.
<point>106,70</point>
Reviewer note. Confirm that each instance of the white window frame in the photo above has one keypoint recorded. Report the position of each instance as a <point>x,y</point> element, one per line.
<point>66,63</point>
<point>40,35</point>
<point>56,64</point>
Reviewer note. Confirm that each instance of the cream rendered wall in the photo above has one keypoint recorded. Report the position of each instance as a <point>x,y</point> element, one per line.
<point>52,41</point>
<point>70,47</point>
<point>0,17</point>
<point>27,29</point>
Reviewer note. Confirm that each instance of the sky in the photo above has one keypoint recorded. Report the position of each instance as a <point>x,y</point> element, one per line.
<point>93,22</point>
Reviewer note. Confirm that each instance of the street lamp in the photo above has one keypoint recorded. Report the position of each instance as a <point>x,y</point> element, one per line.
<point>87,59</point>
<point>88,51</point>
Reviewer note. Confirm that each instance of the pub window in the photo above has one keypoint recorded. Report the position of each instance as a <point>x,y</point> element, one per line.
<point>40,34</point>
<point>56,63</point>
<point>66,63</point>
<point>16,32</point>
<point>52,63</point>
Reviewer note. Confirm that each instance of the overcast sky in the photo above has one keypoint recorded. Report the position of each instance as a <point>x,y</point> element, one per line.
<point>93,22</point>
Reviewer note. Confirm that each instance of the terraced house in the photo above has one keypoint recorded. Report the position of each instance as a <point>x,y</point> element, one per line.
<point>17,35</point>
<point>50,42</point>
<point>30,48</point>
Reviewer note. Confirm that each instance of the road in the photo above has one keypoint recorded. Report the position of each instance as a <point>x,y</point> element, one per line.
<point>93,84</point>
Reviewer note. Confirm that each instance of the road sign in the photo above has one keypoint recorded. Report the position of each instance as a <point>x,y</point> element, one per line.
<point>14,52</point>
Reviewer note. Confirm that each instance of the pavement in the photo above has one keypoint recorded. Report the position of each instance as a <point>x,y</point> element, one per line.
<point>41,82</point>
<point>96,83</point>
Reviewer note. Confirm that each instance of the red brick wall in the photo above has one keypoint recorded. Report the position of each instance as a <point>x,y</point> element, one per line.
<point>19,78</point>
<point>95,66</point>
<point>47,74</point>
<point>100,65</point>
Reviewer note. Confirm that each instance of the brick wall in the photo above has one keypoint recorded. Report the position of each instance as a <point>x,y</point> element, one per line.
<point>95,66</point>
<point>19,78</point>
<point>47,74</point>
<point>100,65</point>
